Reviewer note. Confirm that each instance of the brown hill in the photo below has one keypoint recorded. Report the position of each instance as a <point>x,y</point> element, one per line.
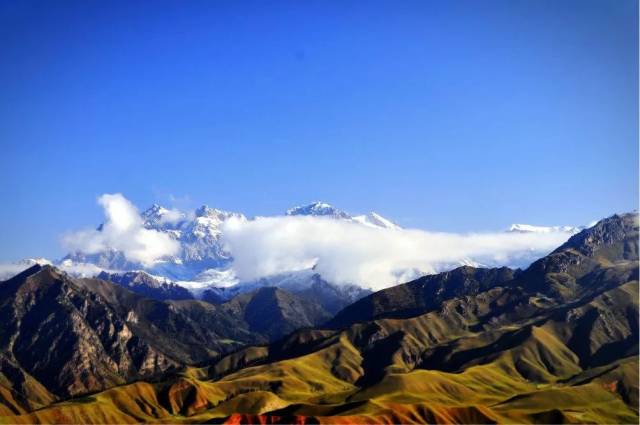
<point>555,343</point>
<point>63,337</point>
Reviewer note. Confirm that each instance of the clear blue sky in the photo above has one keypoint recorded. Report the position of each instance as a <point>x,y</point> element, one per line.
<point>443,115</point>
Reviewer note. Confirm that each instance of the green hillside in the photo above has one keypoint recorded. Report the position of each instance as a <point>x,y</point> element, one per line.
<point>556,343</point>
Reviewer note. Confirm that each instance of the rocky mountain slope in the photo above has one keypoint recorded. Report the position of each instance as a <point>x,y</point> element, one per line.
<point>557,342</point>
<point>67,339</point>
<point>64,337</point>
<point>273,312</point>
<point>147,285</point>
<point>572,270</point>
<point>306,284</point>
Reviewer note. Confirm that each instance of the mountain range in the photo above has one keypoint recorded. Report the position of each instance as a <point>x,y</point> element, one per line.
<point>203,265</point>
<point>204,268</point>
<point>199,234</point>
<point>555,342</point>
<point>64,336</point>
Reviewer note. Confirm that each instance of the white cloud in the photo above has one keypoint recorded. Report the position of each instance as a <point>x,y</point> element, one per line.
<point>172,216</point>
<point>341,251</point>
<point>346,252</point>
<point>80,269</point>
<point>8,270</point>
<point>123,231</point>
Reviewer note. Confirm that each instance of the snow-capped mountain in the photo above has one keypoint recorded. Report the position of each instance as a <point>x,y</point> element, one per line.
<point>198,233</point>
<point>528,228</point>
<point>322,209</point>
<point>205,267</point>
<point>318,209</point>
<point>143,283</point>
<point>374,219</point>
<point>203,258</point>
<point>307,284</point>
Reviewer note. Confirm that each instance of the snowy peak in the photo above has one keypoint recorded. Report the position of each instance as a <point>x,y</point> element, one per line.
<point>208,212</point>
<point>322,209</point>
<point>201,236</point>
<point>528,228</point>
<point>318,209</point>
<point>204,222</point>
<point>134,278</point>
<point>147,285</point>
<point>198,233</point>
<point>208,220</point>
<point>374,219</point>
<point>159,217</point>
<point>154,213</point>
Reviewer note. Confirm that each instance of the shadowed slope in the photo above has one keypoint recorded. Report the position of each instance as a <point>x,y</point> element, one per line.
<point>148,286</point>
<point>68,339</point>
<point>557,342</point>
<point>65,337</point>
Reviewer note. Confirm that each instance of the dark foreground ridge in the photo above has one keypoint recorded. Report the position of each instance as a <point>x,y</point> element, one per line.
<point>64,337</point>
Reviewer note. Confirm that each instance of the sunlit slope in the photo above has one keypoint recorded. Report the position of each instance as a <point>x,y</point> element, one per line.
<point>557,343</point>
<point>531,372</point>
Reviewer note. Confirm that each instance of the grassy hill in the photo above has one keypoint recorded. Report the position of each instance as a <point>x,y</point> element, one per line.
<point>556,343</point>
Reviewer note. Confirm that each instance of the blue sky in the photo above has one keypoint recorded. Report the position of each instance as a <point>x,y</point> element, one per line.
<point>442,115</point>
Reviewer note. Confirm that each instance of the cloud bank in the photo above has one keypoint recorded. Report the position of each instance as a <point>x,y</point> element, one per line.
<point>347,252</point>
<point>342,251</point>
<point>172,216</point>
<point>8,270</point>
<point>124,231</point>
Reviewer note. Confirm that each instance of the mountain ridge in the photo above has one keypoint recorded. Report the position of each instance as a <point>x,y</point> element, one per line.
<point>557,342</point>
<point>64,337</point>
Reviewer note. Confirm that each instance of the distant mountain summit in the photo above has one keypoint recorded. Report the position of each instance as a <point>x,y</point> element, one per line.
<point>147,285</point>
<point>374,219</point>
<point>528,228</point>
<point>322,209</point>
<point>203,267</point>
<point>199,234</point>
<point>318,209</point>
<point>203,257</point>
